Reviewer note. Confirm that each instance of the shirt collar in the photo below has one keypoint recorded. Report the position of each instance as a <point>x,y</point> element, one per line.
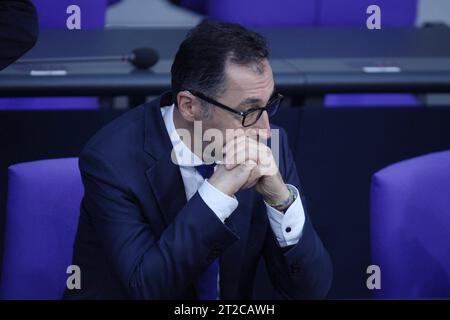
<point>180,152</point>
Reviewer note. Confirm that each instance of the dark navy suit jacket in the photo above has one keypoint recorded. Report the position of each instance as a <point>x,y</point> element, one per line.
<point>138,237</point>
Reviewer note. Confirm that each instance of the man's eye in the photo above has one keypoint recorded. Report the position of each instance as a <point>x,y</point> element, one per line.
<point>253,107</point>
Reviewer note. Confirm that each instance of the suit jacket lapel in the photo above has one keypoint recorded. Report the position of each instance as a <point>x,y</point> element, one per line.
<point>168,188</point>
<point>163,175</point>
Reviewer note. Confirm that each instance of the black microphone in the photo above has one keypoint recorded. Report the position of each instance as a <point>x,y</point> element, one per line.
<point>140,58</point>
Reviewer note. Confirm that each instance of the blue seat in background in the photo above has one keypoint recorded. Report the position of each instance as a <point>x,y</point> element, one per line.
<point>345,13</point>
<point>264,13</point>
<point>410,223</point>
<point>370,100</point>
<point>199,6</point>
<point>52,14</point>
<point>41,220</point>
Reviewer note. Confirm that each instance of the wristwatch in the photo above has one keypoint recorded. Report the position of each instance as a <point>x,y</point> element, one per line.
<point>284,205</point>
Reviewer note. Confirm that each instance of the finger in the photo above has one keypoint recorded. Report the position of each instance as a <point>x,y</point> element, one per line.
<point>265,156</point>
<point>237,140</point>
<point>243,148</point>
<point>251,150</point>
<point>253,178</point>
<point>255,175</point>
<point>240,154</point>
<point>232,144</point>
<point>242,171</point>
<point>240,150</point>
<point>252,133</point>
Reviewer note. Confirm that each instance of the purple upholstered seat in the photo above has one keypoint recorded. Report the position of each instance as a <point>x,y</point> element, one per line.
<point>198,6</point>
<point>368,100</point>
<point>262,13</point>
<point>42,215</point>
<point>410,227</point>
<point>52,14</point>
<point>394,13</point>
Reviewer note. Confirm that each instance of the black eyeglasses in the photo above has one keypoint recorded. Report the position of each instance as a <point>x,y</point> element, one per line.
<point>251,116</point>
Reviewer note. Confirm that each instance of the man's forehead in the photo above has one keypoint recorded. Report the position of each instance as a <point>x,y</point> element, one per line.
<point>244,80</point>
<point>253,69</point>
<point>255,100</point>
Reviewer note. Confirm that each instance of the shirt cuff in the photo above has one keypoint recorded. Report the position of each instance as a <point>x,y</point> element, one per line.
<point>220,203</point>
<point>287,227</point>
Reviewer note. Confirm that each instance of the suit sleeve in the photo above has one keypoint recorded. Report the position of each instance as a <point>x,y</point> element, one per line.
<point>149,267</point>
<point>18,29</point>
<point>303,270</point>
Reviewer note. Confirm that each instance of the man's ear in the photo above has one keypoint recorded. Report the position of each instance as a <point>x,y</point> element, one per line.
<point>187,105</point>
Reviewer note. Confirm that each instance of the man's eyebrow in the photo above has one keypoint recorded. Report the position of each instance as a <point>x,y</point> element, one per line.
<point>248,101</point>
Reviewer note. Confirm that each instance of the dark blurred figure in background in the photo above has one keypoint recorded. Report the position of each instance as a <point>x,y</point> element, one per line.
<point>18,29</point>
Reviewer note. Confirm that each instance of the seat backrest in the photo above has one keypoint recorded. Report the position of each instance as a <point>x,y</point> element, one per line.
<point>410,223</point>
<point>42,215</point>
<point>393,13</point>
<point>198,6</point>
<point>53,14</point>
<point>264,13</point>
<point>49,103</point>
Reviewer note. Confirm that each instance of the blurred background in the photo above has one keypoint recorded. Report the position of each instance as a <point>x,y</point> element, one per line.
<point>367,113</point>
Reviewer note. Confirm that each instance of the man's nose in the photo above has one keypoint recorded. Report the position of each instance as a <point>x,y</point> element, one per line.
<point>263,126</point>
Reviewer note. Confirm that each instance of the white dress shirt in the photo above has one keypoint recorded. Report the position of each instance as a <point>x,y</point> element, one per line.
<point>287,227</point>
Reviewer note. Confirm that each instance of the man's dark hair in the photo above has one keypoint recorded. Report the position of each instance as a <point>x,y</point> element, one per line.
<point>200,61</point>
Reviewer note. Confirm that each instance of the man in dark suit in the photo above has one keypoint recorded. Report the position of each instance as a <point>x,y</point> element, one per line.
<point>18,29</point>
<point>158,222</point>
